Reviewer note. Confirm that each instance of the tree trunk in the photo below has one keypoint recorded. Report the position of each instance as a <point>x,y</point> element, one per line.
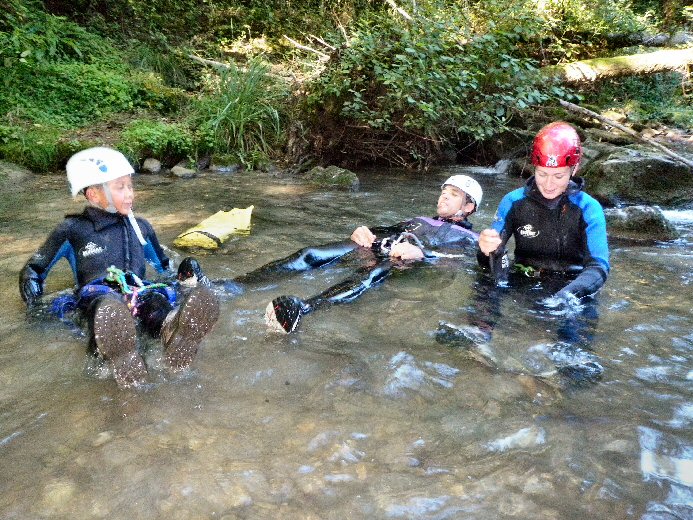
<point>677,60</point>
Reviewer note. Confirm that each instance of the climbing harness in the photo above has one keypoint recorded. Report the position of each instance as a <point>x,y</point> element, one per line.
<point>130,285</point>
<point>386,245</point>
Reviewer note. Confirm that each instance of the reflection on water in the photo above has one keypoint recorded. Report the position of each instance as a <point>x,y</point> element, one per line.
<point>362,413</point>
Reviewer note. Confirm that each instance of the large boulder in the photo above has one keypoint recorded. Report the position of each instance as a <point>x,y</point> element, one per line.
<point>639,224</point>
<point>636,176</point>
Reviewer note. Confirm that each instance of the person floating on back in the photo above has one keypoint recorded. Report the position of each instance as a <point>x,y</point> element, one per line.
<point>416,239</point>
<point>108,249</point>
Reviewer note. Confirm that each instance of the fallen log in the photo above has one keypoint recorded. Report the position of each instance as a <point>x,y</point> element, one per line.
<point>677,60</point>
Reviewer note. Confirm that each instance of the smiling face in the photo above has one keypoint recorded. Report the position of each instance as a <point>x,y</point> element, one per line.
<point>122,193</point>
<point>552,182</point>
<point>453,201</point>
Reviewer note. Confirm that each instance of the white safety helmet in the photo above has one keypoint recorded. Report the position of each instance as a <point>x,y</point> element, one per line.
<point>95,166</point>
<point>467,185</point>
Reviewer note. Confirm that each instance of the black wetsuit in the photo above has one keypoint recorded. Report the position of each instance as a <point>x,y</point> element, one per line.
<point>434,234</point>
<point>92,242</point>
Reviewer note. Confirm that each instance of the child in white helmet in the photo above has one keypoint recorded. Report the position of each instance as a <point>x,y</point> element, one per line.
<point>414,239</point>
<point>108,249</point>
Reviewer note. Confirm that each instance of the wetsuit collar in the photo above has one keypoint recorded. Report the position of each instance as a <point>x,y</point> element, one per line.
<point>462,223</point>
<point>103,218</point>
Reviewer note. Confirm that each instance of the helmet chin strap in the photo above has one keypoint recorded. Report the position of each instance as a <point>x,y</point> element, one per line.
<point>131,216</point>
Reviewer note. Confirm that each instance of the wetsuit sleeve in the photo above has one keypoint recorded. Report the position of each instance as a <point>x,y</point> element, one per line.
<point>36,269</point>
<point>596,264</point>
<point>153,251</point>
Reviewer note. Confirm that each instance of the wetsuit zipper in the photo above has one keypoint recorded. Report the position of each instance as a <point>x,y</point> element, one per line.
<point>126,241</point>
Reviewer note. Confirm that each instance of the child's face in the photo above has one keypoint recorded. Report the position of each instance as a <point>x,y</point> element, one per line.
<point>452,201</point>
<point>122,193</point>
<point>552,182</point>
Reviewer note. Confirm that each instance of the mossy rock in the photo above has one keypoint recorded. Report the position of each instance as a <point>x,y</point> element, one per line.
<point>637,176</point>
<point>333,177</point>
<point>642,224</point>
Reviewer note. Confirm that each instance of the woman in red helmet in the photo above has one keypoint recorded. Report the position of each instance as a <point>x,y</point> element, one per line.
<point>558,228</point>
<point>560,243</point>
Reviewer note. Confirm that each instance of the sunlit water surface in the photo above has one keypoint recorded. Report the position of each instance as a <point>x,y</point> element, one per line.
<point>361,413</point>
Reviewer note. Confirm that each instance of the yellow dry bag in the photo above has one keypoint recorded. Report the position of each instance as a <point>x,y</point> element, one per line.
<point>212,232</point>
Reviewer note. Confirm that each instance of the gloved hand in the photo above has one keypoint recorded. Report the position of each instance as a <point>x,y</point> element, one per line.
<point>562,299</point>
<point>30,285</point>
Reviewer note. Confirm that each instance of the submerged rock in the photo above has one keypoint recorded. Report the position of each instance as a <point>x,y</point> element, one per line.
<point>13,172</point>
<point>334,177</point>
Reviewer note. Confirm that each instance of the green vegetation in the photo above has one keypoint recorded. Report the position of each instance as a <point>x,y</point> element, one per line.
<point>367,83</point>
<point>428,82</point>
<point>659,98</point>
<point>239,113</point>
<point>170,142</point>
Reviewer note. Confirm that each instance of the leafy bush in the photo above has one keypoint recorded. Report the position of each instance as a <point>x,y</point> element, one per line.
<point>430,82</point>
<point>169,142</point>
<point>70,94</point>
<point>239,113</point>
<point>646,99</point>
<point>30,35</point>
<point>39,148</point>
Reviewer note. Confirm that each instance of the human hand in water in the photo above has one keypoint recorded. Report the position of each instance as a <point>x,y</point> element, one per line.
<point>363,236</point>
<point>406,251</point>
<point>489,240</point>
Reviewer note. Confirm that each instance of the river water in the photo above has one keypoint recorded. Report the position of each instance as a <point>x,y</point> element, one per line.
<point>362,413</point>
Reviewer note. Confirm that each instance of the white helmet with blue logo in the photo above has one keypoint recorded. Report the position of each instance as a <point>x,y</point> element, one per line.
<point>95,166</point>
<point>467,185</point>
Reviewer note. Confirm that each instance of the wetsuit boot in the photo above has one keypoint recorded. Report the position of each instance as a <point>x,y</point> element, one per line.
<point>116,340</point>
<point>284,313</point>
<point>187,325</point>
<point>190,275</point>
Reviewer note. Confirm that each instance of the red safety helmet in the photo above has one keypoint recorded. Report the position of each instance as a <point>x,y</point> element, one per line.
<point>557,145</point>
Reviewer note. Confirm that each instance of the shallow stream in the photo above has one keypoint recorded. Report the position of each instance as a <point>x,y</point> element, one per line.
<point>361,413</point>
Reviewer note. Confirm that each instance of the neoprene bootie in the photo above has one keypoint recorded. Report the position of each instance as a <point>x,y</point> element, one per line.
<point>284,313</point>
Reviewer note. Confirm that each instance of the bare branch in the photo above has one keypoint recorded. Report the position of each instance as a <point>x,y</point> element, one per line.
<point>306,48</point>
<point>321,41</point>
<point>401,11</point>
<point>629,131</point>
<point>211,63</point>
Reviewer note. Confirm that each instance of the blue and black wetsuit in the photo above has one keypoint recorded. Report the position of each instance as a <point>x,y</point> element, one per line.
<point>92,242</point>
<point>564,236</point>
<point>560,247</point>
